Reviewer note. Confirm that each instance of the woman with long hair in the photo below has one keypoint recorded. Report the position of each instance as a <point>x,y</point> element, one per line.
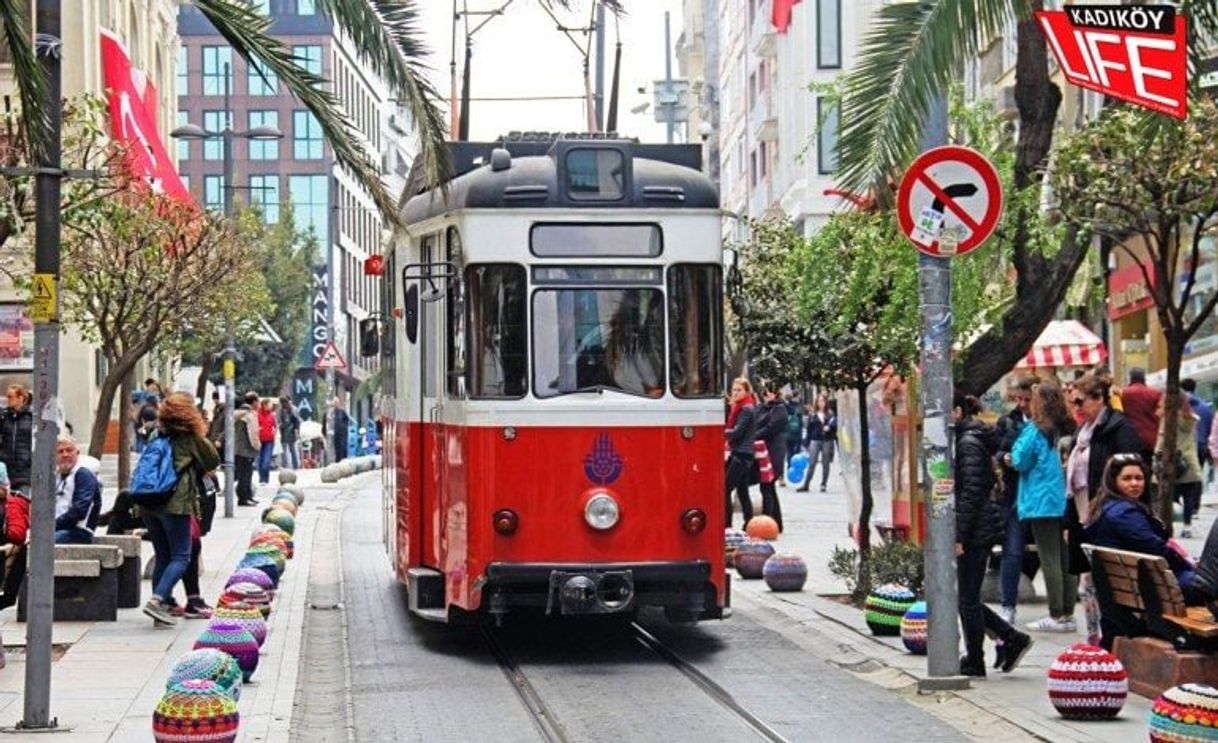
<point>1042,502</point>
<point>819,441</point>
<point>169,524</point>
<point>741,430</point>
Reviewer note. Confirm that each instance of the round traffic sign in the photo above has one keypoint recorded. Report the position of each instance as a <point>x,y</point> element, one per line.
<point>949,201</point>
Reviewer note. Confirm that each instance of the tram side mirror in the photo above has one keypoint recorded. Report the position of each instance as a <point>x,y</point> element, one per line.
<point>412,313</point>
<point>369,337</point>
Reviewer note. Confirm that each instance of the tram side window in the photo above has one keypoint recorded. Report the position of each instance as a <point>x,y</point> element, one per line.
<point>454,358</point>
<point>695,326</point>
<point>495,316</point>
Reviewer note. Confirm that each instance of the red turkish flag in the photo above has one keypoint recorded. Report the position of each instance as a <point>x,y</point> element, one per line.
<point>780,14</point>
<point>133,119</point>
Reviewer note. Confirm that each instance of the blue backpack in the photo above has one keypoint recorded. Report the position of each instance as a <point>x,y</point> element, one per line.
<point>154,479</point>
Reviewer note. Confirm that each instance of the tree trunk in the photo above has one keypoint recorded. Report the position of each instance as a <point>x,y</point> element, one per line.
<point>205,367</point>
<point>101,417</point>
<point>863,587</point>
<point>1171,412</point>
<point>126,433</point>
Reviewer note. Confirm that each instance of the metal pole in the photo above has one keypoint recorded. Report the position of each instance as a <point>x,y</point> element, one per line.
<point>47,407</point>
<point>935,291</point>
<point>230,343</point>
<point>670,109</point>
<point>331,392</point>
<point>600,66</point>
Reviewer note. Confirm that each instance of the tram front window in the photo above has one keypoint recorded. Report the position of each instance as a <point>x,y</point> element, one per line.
<point>598,339</point>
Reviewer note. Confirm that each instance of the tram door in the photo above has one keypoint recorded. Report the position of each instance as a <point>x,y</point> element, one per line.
<point>430,480</point>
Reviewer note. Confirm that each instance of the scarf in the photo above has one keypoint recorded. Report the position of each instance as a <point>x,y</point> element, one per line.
<point>1080,457</point>
<point>734,413</point>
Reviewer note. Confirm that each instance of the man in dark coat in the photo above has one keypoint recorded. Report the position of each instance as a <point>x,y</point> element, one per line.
<point>772,429</point>
<point>341,422</point>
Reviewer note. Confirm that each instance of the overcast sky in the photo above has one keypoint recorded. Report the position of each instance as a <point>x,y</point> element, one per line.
<point>521,53</point>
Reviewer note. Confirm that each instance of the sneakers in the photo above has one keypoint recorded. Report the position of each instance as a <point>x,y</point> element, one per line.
<point>972,668</point>
<point>1008,614</point>
<point>1050,624</point>
<point>1014,650</point>
<point>822,488</point>
<point>159,613</point>
<point>1000,654</point>
<point>197,610</point>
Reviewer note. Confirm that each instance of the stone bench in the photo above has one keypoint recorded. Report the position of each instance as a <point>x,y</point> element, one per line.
<point>129,572</point>
<point>86,584</point>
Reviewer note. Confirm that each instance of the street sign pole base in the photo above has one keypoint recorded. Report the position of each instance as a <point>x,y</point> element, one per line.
<point>54,727</point>
<point>937,684</point>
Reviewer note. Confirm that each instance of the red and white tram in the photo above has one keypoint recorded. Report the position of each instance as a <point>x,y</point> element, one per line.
<point>556,390</point>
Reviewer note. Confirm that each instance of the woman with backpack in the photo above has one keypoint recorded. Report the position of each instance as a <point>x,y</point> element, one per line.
<point>980,519</point>
<point>169,522</point>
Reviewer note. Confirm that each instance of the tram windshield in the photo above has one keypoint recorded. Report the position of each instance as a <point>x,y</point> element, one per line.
<point>587,340</point>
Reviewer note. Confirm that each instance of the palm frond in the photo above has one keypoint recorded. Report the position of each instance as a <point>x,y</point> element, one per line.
<point>911,57</point>
<point>246,32</point>
<point>31,79</point>
<point>614,6</point>
<point>389,41</point>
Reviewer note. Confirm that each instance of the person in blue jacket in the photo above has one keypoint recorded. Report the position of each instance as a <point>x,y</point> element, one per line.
<point>1041,501</point>
<point>78,500</point>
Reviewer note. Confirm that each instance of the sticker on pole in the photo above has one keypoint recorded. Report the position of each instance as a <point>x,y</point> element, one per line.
<point>330,358</point>
<point>949,201</point>
<point>42,303</point>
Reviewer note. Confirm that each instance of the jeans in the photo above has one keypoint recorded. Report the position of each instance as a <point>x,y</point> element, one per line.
<point>265,454</point>
<point>822,451</point>
<point>1189,494</point>
<point>244,467</point>
<point>291,455</point>
<point>738,468</point>
<point>976,618</point>
<point>170,535</point>
<point>73,535</point>
<point>1012,558</point>
<point>1060,583</point>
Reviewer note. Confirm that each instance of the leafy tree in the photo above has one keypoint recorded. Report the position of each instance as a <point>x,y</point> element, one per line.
<point>1154,192</point>
<point>912,56</point>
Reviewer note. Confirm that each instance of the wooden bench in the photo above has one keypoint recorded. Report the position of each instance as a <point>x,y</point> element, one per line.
<point>86,584</point>
<point>1160,641</point>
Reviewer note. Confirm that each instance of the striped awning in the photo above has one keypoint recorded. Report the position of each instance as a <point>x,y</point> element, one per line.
<point>1065,343</point>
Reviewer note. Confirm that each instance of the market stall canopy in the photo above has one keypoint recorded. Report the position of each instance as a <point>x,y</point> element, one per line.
<point>1065,343</point>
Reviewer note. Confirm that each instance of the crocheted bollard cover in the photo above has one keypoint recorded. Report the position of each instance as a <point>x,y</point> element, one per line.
<point>785,573</point>
<point>265,563</point>
<point>885,607</point>
<point>250,575</point>
<point>1184,714</point>
<point>246,594</point>
<point>286,501</point>
<point>210,664</point>
<point>280,518</point>
<point>233,639</point>
<point>271,551</point>
<point>731,540</point>
<point>247,615</point>
<point>913,628</point>
<point>762,527</point>
<point>751,556</point>
<point>195,710</point>
<point>1087,683</point>
<point>274,539</point>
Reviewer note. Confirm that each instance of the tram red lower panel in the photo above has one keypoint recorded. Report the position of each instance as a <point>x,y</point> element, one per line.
<point>545,475</point>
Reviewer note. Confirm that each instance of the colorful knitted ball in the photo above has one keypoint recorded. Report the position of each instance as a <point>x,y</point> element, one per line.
<point>250,575</point>
<point>785,573</point>
<point>280,518</point>
<point>233,639</point>
<point>1087,683</point>
<point>265,563</point>
<point>1184,714</point>
<point>295,490</point>
<point>273,530</point>
<point>286,501</point>
<point>275,540</point>
<point>271,551</point>
<point>913,628</point>
<point>195,710</point>
<point>246,594</point>
<point>751,556</point>
<point>211,664</point>
<point>885,607</point>
<point>246,615</point>
<point>731,540</point>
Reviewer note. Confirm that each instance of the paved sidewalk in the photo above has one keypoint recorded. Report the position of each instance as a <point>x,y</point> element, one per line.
<point>815,523</point>
<point>111,674</point>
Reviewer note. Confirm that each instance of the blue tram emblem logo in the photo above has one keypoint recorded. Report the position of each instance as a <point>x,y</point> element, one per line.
<point>603,464</point>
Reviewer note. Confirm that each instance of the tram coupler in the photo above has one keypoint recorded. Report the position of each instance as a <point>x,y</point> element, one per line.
<point>593,592</point>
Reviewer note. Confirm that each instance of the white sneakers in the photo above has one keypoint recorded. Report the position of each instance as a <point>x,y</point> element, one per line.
<point>1008,614</point>
<point>1050,624</point>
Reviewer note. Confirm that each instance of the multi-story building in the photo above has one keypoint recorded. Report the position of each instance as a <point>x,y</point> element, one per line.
<point>148,29</point>
<point>300,167</point>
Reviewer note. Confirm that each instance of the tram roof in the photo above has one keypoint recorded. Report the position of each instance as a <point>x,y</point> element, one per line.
<point>509,174</point>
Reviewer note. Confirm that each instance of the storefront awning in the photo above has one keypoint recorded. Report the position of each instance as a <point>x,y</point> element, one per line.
<point>1065,343</point>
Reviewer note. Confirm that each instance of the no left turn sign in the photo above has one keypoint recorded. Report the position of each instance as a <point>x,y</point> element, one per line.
<point>949,201</point>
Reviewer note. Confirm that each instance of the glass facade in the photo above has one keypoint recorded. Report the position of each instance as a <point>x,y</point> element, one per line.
<point>263,149</point>
<point>215,60</point>
<point>310,203</point>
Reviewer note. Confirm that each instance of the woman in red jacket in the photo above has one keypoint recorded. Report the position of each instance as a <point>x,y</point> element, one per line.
<point>266,435</point>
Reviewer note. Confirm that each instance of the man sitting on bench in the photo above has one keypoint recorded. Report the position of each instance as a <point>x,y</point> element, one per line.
<point>77,496</point>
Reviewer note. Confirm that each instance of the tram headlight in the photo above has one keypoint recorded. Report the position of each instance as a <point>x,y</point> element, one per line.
<point>693,521</point>
<point>602,512</point>
<point>506,522</point>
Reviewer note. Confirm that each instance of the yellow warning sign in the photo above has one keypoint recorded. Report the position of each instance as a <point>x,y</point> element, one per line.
<point>42,304</point>
<point>230,369</point>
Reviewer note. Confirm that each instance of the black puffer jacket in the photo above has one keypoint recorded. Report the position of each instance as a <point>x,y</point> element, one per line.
<point>976,522</point>
<point>772,429</point>
<point>740,436</point>
<point>17,445</point>
<point>1113,434</point>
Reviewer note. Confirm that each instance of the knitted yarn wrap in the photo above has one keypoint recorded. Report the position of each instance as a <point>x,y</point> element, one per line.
<point>1184,714</point>
<point>1087,683</point>
<point>751,556</point>
<point>211,664</point>
<point>233,639</point>
<point>247,615</point>
<point>785,573</point>
<point>247,594</point>
<point>914,628</point>
<point>280,518</point>
<point>271,551</point>
<point>195,711</point>
<point>265,563</point>
<point>250,575</point>
<point>885,607</point>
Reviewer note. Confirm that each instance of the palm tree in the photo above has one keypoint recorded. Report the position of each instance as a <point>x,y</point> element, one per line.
<point>386,33</point>
<point>914,52</point>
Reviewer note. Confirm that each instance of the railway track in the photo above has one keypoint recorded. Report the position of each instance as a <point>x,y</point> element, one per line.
<point>551,728</point>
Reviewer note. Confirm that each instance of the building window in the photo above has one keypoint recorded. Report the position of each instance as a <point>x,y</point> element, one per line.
<point>264,192</point>
<point>308,57</point>
<point>183,143</point>
<point>214,121</point>
<point>306,7</point>
<point>183,70</point>
<point>826,136</point>
<point>306,136</point>
<point>264,149</point>
<point>752,90</point>
<point>216,61</point>
<point>213,192</point>
<point>310,197</point>
<point>262,7</point>
<point>828,34</point>
<point>762,159</point>
<point>261,82</point>
<point>753,168</point>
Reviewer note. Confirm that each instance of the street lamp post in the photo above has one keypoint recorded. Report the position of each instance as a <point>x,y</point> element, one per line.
<point>229,365</point>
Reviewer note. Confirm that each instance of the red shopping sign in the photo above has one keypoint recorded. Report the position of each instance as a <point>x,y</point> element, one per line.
<point>1137,53</point>
<point>949,201</point>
